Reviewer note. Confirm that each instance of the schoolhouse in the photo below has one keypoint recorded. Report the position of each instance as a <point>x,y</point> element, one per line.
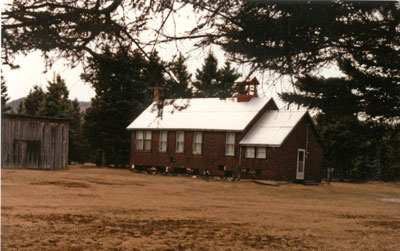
<point>245,136</point>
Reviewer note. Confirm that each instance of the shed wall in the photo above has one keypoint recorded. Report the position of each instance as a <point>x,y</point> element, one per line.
<point>34,143</point>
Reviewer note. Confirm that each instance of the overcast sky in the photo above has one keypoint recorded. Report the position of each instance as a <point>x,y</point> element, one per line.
<point>31,71</point>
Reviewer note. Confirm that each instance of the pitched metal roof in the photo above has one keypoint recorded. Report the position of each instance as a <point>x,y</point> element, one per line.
<point>212,114</point>
<point>272,128</point>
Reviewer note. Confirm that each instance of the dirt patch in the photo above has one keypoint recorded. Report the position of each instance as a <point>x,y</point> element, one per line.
<point>57,219</point>
<point>395,225</point>
<point>177,233</point>
<point>62,183</point>
<point>352,216</point>
<point>108,183</point>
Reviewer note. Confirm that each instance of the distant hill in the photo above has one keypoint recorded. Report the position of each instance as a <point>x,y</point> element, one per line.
<point>83,105</point>
<point>15,103</point>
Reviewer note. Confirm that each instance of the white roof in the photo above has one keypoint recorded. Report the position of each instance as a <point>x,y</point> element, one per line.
<point>272,128</point>
<point>201,114</point>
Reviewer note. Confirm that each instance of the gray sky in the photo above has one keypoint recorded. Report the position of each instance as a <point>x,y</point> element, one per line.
<point>31,71</point>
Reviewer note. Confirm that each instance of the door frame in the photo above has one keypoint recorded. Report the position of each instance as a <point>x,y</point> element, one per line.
<point>300,175</point>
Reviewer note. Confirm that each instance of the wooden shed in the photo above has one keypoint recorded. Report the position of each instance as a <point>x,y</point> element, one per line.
<point>34,142</point>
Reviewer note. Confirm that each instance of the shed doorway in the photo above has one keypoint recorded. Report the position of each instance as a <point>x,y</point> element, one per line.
<point>27,153</point>
<point>301,154</point>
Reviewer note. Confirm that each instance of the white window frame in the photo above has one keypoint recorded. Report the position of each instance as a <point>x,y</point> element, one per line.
<point>229,145</point>
<point>258,153</point>
<point>143,141</point>
<point>180,142</point>
<point>163,142</point>
<point>147,141</point>
<point>250,152</point>
<point>197,142</point>
<point>139,141</point>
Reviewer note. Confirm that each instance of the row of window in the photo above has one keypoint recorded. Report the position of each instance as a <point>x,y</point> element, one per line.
<point>143,142</point>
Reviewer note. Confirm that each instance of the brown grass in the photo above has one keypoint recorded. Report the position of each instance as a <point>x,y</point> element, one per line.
<point>109,209</point>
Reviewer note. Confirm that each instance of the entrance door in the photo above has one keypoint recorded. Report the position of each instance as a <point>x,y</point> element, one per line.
<point>27,153</point>
<point>301,154</point>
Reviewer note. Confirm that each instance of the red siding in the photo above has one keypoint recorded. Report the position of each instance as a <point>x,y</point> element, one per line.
<point>281,162</point>
<point>213,153</point>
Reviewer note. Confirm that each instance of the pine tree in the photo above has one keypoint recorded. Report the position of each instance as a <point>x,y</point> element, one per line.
<point>354,147</point>
<point>56,103</point>
<point>34,101</point>
<point>214,82</point>
<point>227,77</point>
<point>4,96</point>
<point>206,78</point>
<point>78,147</point>
<point>180,86</point>
<point>123,84</point>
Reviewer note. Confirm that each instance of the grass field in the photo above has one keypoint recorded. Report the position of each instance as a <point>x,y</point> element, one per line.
<point>111,209</point>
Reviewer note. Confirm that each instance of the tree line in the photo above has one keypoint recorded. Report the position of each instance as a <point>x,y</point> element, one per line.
<point>123,82</point>
<point>358,114</point>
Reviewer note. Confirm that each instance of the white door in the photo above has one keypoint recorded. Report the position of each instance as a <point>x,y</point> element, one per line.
<point>301,157</point>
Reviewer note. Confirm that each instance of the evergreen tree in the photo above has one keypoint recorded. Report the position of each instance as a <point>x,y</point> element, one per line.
<point>357,149</point>
<point>206,78</point>
<point>212,82</point>
<point>34,101</point>
<point>361,38</point>
<point>180,87</point>
<point>4,96</point>
<point>55,102</point>
<point>123,84</point>
<point>78,147</point>
<point>226,79</point>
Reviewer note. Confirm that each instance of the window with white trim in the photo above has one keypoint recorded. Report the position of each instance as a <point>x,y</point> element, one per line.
<point>143,140</point>
<point>139,141</point>
<point>162,146</point>
<point>180,142</point>
<point>230,144</point>
<point>250,151</point>
<point>261,153</point>
<point>147,140</point>
<point>197,142</point>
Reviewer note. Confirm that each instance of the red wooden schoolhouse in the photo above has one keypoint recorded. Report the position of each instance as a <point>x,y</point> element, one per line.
<point>245,136</point>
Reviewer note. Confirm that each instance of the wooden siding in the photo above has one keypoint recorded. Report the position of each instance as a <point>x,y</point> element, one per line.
<point>34,142</point>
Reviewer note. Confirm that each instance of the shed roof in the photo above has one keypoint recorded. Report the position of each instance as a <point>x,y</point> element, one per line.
<point>34,117</point>
<point>212,114</point>
<point>272,128</point>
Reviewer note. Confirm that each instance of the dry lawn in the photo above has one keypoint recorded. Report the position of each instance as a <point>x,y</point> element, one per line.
<point>109,209</point>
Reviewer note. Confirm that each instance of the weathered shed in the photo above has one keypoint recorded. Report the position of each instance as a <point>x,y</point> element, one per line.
<point>34,142</point>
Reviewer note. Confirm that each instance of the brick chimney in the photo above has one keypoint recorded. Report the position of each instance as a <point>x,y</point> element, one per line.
<point>157,93</point>
<point>246,89</point>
